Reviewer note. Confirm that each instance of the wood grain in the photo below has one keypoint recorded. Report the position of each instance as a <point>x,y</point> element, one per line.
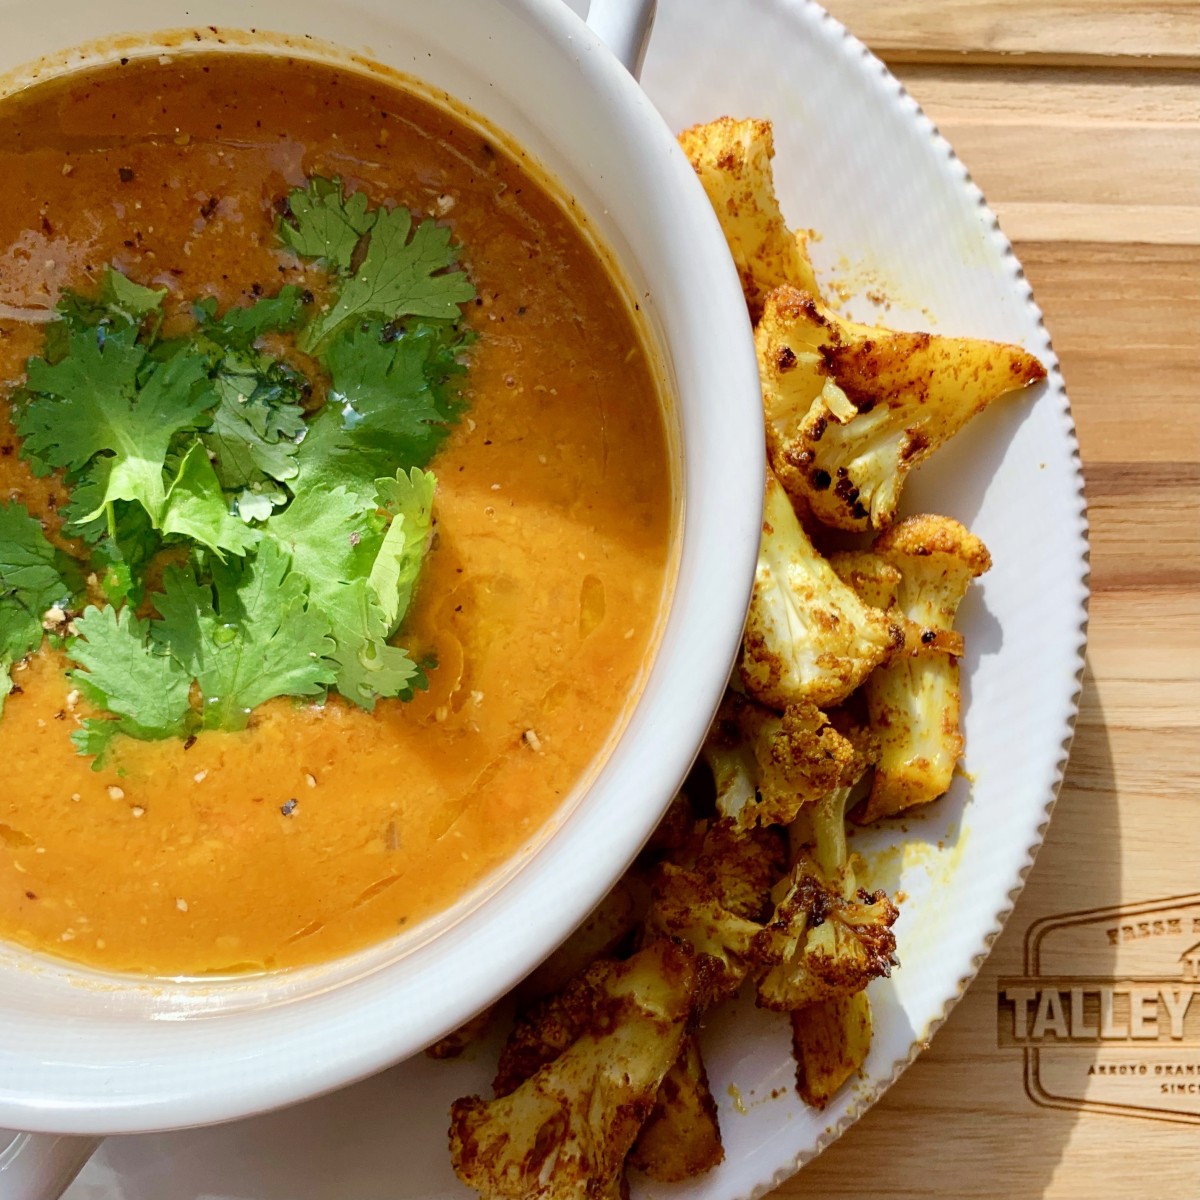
<point>1148,33</point>
<point>1094,169</point>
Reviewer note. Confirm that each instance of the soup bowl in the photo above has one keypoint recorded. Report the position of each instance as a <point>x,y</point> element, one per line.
<point>85,1053</point>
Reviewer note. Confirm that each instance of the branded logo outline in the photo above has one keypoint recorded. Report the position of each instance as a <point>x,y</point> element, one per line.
<point>1189,961</point>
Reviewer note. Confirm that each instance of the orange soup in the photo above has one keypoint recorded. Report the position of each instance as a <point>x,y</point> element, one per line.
<point>323,826</point>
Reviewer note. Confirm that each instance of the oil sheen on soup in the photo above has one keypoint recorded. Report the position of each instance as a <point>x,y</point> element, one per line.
<point>322,825</point>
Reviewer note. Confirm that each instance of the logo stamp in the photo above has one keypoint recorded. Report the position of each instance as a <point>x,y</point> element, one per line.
<point>1107,1013</point>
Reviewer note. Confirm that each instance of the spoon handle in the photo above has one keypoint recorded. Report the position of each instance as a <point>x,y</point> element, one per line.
<point>624,26</point>
<point>40,1166</point>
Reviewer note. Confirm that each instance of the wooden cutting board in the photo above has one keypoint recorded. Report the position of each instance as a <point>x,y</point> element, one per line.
<point>1080,119</point>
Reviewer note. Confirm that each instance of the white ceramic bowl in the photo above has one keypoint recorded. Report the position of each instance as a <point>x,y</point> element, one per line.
<point>81,1052</point>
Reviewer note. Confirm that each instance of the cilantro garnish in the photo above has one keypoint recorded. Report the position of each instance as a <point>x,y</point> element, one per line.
<point>361,559</point>
<point>248,635</point>
<point>119,302</point>
<point>34,578</point>
<point>92,407</point>
<point>408,499</point>
<point>197,508</point>
<point>391,402</point>
<point>325,224</point>
<point>251,541</point>
<point>240,328</point>
<point>146,690</point>
<point>404,270</point>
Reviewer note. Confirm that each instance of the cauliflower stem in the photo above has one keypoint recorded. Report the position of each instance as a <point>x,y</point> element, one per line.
<point>915,699</point>
<point>681,1139</point>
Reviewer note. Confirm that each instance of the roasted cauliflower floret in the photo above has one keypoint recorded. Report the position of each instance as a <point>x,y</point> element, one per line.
<point>877,582</point>
<point>851,409</point>
<point>541,1032</point>
<point>564,1133</point>
<point>808,636</point>
<point>766,766</point>
<point>733,160</point>
<point>839,937</point>
<point>840,942</point>
<point>914,700</point>
<point>682,1138</point>
<point>830,1041</point>
<point>688,909</point>
<point>739,866</point>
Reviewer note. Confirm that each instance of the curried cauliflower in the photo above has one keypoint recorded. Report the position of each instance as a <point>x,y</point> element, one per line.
<point>808,636</point>
<point>838,937</point>
<point>830,1041</point>
<point>688,909</point>
<point>766,766</point>
<point>682,1138</point>
<point>877,583</point>
<point>564,1132</point>
<point>851,409</point>
<point>739,866</point>
<point>541,1032</point>
<point>914,700</point>
<point>733,160</point>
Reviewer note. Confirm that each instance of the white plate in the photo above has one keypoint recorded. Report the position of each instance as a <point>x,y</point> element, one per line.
<point>858,161</point>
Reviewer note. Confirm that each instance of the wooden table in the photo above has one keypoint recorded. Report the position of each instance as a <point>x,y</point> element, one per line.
<point>1080,119</point>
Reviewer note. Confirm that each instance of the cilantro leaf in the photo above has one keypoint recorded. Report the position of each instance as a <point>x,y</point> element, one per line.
<point>119,301</point>
<point>256,424</point>
<point>240,328</point>
<point>99,363</point>
<point>146,690</point>
<point>120,294</point>
<point>391,405</point>
<point>31,569</point>
<point>34,577</point>
<point>258,501</point>
<point>20,630</point>
<point>197,508</point>
<point>409,500</point>
<point>334,539</point>
<point>368,668</point>
<point>326,224</point>
<point>90,403</point>
<point>399,276</point>
<point>250,635</point>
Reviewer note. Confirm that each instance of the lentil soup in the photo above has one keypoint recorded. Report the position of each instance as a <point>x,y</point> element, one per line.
<point>322,827</point>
